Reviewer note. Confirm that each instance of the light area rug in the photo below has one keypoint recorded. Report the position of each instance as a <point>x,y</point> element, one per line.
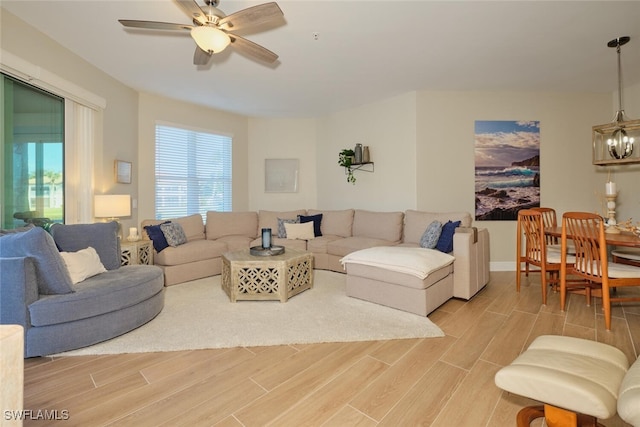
<point>199,315</point>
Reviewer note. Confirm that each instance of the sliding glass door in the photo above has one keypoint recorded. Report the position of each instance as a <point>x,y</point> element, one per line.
<point>31,156</point>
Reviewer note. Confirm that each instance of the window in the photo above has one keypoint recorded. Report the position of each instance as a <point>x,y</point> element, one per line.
<point>193,172</point>
<point>32,155</point>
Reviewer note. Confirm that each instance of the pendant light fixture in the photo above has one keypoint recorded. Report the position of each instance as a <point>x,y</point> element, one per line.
<point>617,142</point>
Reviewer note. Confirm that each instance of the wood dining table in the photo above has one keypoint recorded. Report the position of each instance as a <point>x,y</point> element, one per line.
<point>613,239</point>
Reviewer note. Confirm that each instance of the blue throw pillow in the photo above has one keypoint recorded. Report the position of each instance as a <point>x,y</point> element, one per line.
<point>102,236</point>
<point>157,236</point>
<point>317,220</point>
<point>51,271</point>
<point>431,235</point>
<point>445,242</point>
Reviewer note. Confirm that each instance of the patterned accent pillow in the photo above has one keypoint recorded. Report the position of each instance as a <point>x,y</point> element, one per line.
<point>445,242</point>
<point>431,235</point>
<point>282,232</point>
<point>174,233</point>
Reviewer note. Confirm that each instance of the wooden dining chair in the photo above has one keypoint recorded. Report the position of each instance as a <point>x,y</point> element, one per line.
<point>591,262</point>
<point>549,220</point>
<point>531,226</point>
<point>548,216</point>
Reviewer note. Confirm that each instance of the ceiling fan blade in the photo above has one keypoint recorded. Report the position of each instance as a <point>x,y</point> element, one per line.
<point>200,57</point>
<point>250,16</point>
<point>193,10</point>
<point>252,49</point>
<point>153,25</point>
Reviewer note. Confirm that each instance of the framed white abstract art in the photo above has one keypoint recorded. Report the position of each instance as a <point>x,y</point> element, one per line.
<point>281,175</point>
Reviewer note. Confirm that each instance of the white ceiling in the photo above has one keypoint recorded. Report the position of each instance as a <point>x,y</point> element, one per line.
<point>365,50</point>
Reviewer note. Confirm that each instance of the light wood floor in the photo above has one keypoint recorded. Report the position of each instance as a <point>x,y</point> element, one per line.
<point>429,382</point>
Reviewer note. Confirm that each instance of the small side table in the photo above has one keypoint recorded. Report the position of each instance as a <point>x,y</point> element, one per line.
<point>138,252</point>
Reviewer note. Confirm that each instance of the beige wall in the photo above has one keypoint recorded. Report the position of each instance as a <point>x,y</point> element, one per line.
<point>446,152</point>
<point>388,127</point>
<point>282,139</point>
<point>153,109</point>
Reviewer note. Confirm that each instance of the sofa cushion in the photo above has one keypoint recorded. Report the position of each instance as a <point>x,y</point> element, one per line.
<point>192,251</point>
<point>220,224</point>
<point>173,233</point>
<point>415,222</point>
<point>192,225</point>
<point>335,223</point>
<point>51,273</point>
<point>418,262</point>
<point>82,264</point>
<point>317,222</point>
<point>430,237</point>
<point>102,236</point>
<point>157,236</point>
<point>6,231</point>
<point>319,244</point>
<point>378,225</point>
<point>235,243</point>
<point>445,242</point>
<point>104,293</point>
<point>347,245</point>
<point>302,231</point>
<point>269,219</point>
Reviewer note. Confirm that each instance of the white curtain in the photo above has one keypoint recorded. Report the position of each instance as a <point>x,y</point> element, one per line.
<point>79,161</point>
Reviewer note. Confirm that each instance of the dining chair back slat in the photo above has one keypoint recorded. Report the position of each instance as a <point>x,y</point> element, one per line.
<point>586,230</point>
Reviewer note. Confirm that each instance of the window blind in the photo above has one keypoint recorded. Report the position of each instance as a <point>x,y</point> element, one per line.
<point>192,172</point>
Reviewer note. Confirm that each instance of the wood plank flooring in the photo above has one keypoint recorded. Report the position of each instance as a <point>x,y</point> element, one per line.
<point>428,382</point>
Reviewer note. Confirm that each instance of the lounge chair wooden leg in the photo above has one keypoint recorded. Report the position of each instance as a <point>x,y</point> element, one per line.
<point>555,417</point>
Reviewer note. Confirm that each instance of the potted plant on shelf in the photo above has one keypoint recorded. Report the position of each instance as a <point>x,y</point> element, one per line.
<point>345,159</point>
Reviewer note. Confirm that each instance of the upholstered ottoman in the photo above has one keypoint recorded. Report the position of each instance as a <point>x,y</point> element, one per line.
<point>416,280</point>
<point>579,381</point>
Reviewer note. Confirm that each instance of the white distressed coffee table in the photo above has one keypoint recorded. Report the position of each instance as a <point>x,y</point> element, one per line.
<point>277,277</point>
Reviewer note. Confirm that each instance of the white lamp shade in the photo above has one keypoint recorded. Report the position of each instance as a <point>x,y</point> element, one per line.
<point>210,39</point>
<point>112,205</point>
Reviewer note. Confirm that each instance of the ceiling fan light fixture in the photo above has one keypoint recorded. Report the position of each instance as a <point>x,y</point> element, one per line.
<point>210,39</point>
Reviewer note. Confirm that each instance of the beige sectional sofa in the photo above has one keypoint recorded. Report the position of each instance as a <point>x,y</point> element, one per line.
<point>343,232</point>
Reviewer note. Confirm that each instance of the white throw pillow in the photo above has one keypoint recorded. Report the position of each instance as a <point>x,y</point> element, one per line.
<point>82,264</point>
<point>303,231</point>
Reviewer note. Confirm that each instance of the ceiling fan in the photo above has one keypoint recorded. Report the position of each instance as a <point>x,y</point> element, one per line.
<point>211,29</point>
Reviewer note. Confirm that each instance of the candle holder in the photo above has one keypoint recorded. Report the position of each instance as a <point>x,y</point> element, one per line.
<point>266,238</point>
<point>611,214</point>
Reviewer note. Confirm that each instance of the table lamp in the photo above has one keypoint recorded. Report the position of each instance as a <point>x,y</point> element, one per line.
<point>112,207</point>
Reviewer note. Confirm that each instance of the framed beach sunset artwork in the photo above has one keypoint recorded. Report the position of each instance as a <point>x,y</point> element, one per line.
<point>507,170</point>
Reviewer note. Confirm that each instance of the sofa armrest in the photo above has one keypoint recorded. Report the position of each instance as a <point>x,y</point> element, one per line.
<point>18,289</point>
<point>471,266</point>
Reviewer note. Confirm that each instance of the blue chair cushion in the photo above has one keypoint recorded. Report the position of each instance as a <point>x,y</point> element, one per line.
<point>51,273</point>
<point>102,236</point>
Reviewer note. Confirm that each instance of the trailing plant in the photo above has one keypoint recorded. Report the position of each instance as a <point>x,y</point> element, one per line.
<point>345,159</point>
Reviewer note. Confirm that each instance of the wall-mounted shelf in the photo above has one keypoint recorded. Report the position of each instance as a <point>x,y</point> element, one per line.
<point>365,167</point>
